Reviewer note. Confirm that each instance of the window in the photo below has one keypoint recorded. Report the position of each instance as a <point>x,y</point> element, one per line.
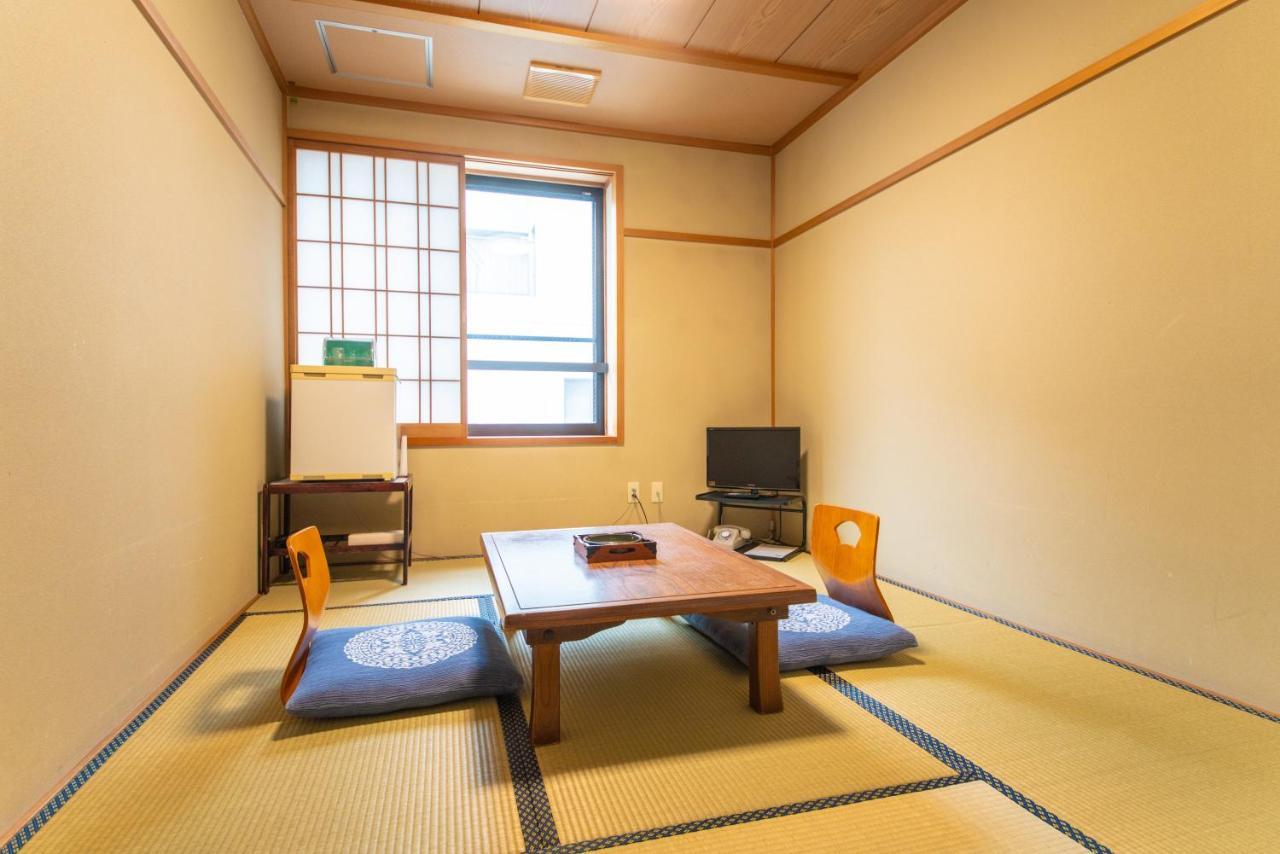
<point>535,308</point>
<point>377,243</point>
<point>500,262</point>
<point>486,293</point>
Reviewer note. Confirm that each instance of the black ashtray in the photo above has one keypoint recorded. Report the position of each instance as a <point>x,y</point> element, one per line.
<point>612,547</point>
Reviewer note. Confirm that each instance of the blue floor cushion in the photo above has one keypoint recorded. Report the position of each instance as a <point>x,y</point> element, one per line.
<point>813,634</point>
<point>375,669</point>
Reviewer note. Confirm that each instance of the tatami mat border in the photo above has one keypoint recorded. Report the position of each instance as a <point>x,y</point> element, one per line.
<point>1097,656</point>
<point>760,814</point>
<point>537,822</point>
<point>947,755</point>
<point>40,819</point>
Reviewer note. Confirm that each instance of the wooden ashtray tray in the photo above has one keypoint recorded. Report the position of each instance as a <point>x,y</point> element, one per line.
<point>611,548</point>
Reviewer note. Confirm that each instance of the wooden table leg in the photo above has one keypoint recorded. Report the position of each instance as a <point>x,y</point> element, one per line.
<point>765,677</point>
<point>545,704</point>
<point>544,724</point>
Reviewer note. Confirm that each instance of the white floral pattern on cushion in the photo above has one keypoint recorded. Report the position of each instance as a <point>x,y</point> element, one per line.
<point>815,617</point>
<point>407,645</point>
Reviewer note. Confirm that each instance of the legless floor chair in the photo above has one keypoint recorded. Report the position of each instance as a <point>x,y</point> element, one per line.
<point>377,669</point>
<point>853,623</point>
<point>849,571</point>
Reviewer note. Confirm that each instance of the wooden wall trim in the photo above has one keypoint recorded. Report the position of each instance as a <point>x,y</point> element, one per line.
<point>689,237</point>
<point>619,314</point>
<point>773,293</point>
<point>251,17</point>
<point>514,441</point>
<point>287,300</point>
<point>525,121</point>
<point>1110,62</point>
<point>308,135</point>
<point>9,832</point>
<point>171,43</point>
<point>509,25</point>
<point>889,54</point>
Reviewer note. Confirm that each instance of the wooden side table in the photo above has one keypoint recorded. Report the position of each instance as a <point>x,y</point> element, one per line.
<point>273,546</point>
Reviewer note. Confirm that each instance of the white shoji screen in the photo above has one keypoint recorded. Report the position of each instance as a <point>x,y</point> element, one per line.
<point>377,254</point>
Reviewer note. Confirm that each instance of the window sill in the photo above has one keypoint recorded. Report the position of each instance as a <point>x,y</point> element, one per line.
<point>509,441</point>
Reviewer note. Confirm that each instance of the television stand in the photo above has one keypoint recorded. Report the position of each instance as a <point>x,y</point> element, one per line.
<point>779,502</point>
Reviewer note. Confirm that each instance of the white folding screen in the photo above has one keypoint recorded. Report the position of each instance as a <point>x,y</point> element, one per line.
<point>378,242</point>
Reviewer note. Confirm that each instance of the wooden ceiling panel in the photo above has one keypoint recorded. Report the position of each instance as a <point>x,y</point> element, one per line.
<point>667,21</point>
<point>850,34</point>
<point>707,72</point>
<point>565,13</point>
<point>761,29</point>
<point>481,73</point>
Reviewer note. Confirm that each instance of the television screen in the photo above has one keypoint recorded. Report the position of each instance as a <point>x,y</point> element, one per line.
<point>753,458</point>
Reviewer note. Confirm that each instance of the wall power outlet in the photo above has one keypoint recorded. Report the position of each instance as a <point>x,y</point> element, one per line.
<point>633,491</point>
<point>655,492</point>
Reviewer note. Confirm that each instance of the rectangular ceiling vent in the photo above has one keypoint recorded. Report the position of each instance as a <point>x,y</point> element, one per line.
<point>371,53</point>
<point>559,84</point>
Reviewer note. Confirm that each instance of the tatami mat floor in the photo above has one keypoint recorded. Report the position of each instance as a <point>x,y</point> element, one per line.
<point>984,738</point>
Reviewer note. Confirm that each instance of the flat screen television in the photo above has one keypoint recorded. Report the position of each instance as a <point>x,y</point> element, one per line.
<point>753,458</point>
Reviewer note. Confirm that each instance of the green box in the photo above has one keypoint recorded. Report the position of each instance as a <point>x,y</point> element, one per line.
<point>356,352</point>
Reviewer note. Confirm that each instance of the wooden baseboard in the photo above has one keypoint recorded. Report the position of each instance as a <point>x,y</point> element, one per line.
<point>84,760</point>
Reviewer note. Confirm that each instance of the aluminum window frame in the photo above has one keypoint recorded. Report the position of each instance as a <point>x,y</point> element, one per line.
<point>598,368</point>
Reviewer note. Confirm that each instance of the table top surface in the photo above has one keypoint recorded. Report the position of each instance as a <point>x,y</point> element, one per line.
<point>541,582</point>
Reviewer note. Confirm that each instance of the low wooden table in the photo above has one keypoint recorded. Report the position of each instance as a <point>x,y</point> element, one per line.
<point>550,594</point>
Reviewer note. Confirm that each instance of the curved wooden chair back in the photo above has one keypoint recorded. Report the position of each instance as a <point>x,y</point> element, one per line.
<point>311,570</point>
<point>848,571</point>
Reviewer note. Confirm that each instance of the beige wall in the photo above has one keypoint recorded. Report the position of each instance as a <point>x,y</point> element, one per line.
<point>696,341</point>
<point>981,60</point>
<point>668,187</point>
<point>1050,362</point>
<point>140,333</point>
<point>220,43</point>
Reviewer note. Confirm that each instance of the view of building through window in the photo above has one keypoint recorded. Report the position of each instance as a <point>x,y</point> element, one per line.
<point>534,306</point>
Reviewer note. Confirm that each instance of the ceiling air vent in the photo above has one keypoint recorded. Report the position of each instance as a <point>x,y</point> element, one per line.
<point>559,84</point>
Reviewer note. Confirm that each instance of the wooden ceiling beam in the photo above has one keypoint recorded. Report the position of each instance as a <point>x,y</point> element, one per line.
<point>251,18</point>
<point>937,16</point>
<point>525,121</point>
<point>507,25</point>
